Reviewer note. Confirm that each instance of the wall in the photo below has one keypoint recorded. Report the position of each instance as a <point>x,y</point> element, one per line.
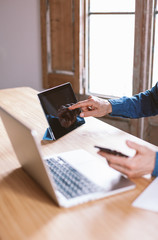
<point>20,44</point>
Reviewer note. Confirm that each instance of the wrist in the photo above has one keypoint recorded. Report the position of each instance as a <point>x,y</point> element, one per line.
<point>108,107</point>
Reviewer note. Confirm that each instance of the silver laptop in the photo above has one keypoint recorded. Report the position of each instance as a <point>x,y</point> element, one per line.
<point>70,178</point>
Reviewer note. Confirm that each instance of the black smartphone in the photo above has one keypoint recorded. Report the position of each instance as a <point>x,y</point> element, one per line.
<point>110,151</point>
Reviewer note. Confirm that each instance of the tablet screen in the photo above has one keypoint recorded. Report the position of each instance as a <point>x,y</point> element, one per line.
<point>55,103</point>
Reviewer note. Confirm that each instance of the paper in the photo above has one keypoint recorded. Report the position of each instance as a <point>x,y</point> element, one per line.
<point>149,198</point>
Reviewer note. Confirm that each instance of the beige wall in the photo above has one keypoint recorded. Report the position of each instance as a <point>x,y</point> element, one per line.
<point>20,45</point>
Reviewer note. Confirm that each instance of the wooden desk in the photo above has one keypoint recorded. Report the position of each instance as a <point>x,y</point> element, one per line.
<point>26,211</point>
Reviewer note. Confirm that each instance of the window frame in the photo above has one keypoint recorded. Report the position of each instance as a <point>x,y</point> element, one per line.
<point>87,40</point>
<point>153,38</point>
<point>143,59</point>
<point>142,62</point>
<point>142,46</point>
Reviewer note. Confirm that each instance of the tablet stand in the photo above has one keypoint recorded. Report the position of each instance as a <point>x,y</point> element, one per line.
<point>47,135</point>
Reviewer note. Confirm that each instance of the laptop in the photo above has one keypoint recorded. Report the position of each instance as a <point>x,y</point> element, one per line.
<point>70,178</point>
<point>55,102</point>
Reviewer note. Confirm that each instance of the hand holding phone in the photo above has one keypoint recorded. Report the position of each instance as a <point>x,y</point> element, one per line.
<point>110,151</point>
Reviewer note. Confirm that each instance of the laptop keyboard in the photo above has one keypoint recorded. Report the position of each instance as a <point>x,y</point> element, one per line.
<point>70,182</point>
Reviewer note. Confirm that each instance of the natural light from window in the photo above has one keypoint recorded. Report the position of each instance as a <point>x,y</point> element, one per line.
<point>155,64</point>
<point>112,5</point>
<point>111,47</point>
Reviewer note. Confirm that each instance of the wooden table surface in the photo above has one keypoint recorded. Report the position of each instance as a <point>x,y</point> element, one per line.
<point>27,212</point>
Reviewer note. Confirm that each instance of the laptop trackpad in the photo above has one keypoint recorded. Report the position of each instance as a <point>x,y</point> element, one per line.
<point>96,169</point>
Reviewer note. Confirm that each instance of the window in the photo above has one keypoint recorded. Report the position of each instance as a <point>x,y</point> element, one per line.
<point>118,56</point>
<point>155,47</point>
<point>111,47</point>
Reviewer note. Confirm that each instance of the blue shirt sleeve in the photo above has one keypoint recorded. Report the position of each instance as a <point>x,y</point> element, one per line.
<point>140,105</point>
<point>155,172</point>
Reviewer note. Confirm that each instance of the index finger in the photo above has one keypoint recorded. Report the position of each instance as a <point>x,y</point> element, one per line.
<point>80,104</point>
<point>113,159</point>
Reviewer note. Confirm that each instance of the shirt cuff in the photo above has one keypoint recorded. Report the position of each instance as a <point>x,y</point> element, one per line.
<point>155,171</point>
<point>117,107</point>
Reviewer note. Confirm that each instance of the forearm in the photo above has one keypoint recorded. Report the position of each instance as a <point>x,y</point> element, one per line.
<point>140,105</point>
<point>124,107</point>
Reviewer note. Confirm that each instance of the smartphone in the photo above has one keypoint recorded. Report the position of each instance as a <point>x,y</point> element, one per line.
<point>110,151</point>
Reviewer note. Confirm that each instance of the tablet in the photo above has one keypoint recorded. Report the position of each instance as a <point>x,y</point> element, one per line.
<point>55,103</point>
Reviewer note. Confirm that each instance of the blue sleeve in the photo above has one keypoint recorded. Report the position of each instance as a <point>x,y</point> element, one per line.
<point>140,105</point>
<point>155,172</point>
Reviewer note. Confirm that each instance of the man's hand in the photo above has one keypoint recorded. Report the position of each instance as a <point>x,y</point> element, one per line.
<point>93,106</point>
<point>142,163</point>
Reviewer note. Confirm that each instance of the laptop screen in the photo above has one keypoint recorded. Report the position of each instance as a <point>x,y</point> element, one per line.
<point>55,103</point>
